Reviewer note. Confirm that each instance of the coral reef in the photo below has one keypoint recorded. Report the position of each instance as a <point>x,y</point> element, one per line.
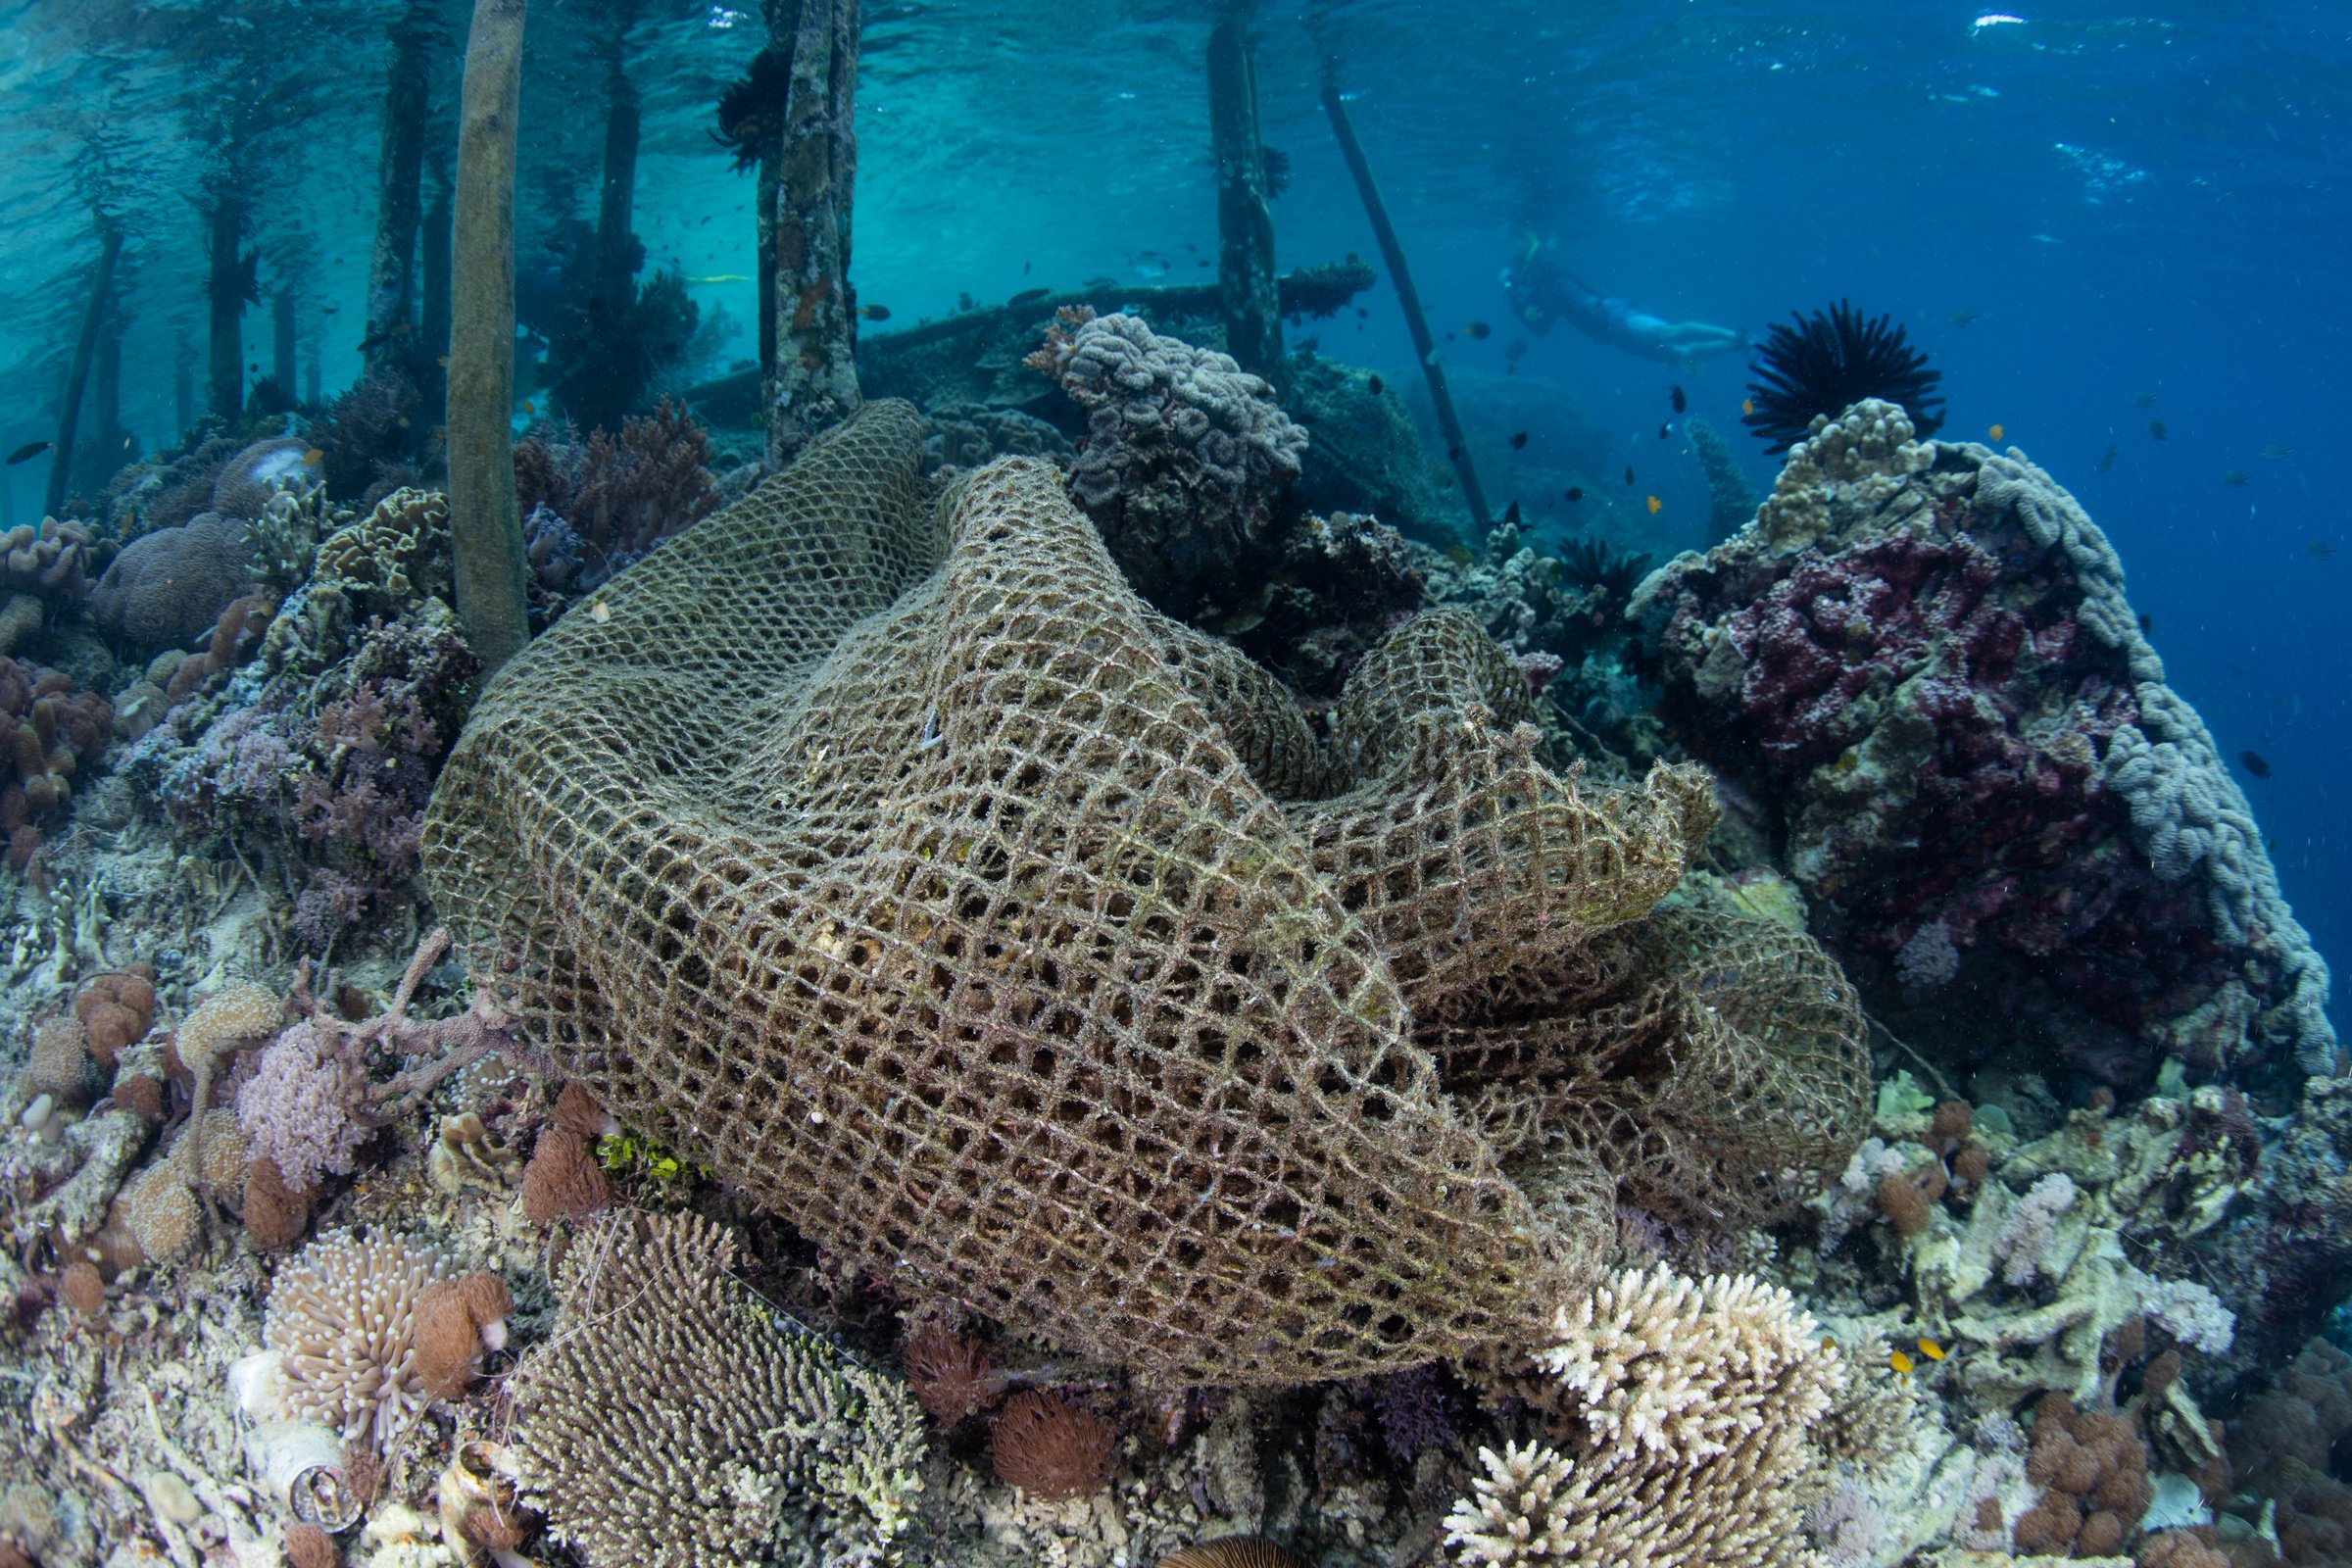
<point>970,435</point>
<point>679,1420</point>
<point>1921,656</point>
<point>1050,1448</point>
<point>367,435</point>
<point>1184,458</point>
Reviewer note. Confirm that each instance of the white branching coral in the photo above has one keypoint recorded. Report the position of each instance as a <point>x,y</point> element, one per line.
<point>342,1320</point>
<point>1690,1367</point>
<point>1698,1399</point>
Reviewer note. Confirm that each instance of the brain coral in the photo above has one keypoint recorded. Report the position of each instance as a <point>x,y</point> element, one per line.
<point>1922,659</point>
<point>168,588</point>
<point>1009,939</point>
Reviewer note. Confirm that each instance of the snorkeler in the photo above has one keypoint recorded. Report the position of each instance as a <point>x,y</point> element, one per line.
<point>1542,292</point>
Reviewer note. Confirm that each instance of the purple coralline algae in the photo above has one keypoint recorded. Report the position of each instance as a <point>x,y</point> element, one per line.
<point>1919,657</point>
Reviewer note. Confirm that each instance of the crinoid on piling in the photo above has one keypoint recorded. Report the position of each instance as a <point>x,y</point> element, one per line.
<point>1591,564</point>
<point>752,108</point>
<point>1830,361</point>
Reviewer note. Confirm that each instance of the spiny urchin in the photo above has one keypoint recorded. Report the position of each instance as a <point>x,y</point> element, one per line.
<point>1829,361</point>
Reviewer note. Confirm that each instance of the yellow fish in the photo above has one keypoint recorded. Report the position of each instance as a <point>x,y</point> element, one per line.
<point>313,457</point>
<point>443,362</point>
<point>1994,432</point>
<point>722,278</point>
<point>1899,1360</point>
<point>1655,504</point>
<point>1931,1349</point>
<point>528,406</point>
<point>1748,405</point>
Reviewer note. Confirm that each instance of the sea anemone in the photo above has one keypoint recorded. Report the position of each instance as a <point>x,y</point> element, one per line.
<point>1827,362</point>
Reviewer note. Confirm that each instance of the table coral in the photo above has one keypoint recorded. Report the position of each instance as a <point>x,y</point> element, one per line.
<point>1921,656</point>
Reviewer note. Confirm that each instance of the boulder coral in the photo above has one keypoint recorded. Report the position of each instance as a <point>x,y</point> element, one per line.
<point>1920,656</point>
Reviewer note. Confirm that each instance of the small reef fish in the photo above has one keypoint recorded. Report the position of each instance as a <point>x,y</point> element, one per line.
<point>2106,461</point>
<point>1576,493</point>
<point>443,362</point>
<point>1518,440</point>
<point>2156,428</point>
<point>2255,764</point>
<point>1655,504</point>
<point>1963,318</point>
<point>528,406</point>
<point>1459,555</point>
<point>1510,514</point>
<point>1362,314</point>
<point>2237,478</point>
<point>313,457</point>
<point>29,450</point>
<point>1931,1349</point>
<point>874,312</point>
<point>2277,450</point>
<point>2147,623</point>
<point>2143,399</point>
<point>2320,550</point>
<point>1375,385</point>
<point>1629,473</point>
<point>329,309</point>
<point>1674,396</point>
<point>1029,296</point>
<point>1995,432</point>
<point>1665,428</point>
<point>1899,1360</point>
<point>1748,406</point>
<point>1478,329</point>
<point>722,278</point>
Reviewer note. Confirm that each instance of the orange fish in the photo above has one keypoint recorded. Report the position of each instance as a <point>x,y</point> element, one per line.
<point>1748,405</point>
<point>1899,1360</point>
<point>528,406</point>
<point>1994,432</point>
<point>1655,504</point>
<point>313,457</point>
<point>1931,1349</point>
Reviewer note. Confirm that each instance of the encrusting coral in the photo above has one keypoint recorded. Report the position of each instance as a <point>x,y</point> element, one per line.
<point>676,1419</point>
<point>1029,946</point>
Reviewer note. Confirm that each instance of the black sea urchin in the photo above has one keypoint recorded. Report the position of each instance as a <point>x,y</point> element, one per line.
<point>1827,362</point>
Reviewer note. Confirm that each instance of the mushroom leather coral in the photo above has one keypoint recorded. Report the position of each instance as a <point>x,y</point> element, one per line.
<point>900,865</point>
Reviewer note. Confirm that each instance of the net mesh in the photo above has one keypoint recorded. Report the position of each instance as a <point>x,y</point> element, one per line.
<point>899,865</point>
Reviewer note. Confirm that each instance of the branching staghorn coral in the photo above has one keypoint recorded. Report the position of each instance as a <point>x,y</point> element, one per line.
<point>1695,1401</point>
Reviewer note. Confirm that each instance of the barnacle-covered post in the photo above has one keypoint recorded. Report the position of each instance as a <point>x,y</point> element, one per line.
<point>392,268</point>
<point>281,339</point>
<point>484,531</point>
<point>616,253</point>
<point>77,374</point>
<point>1245,291</point>
<point>432,326</point>
<point>229,288</point>
<point>815,381</point>
<point>1416,320</point>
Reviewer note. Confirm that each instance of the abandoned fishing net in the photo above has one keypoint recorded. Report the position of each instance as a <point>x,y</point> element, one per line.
<point>896,862</point>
